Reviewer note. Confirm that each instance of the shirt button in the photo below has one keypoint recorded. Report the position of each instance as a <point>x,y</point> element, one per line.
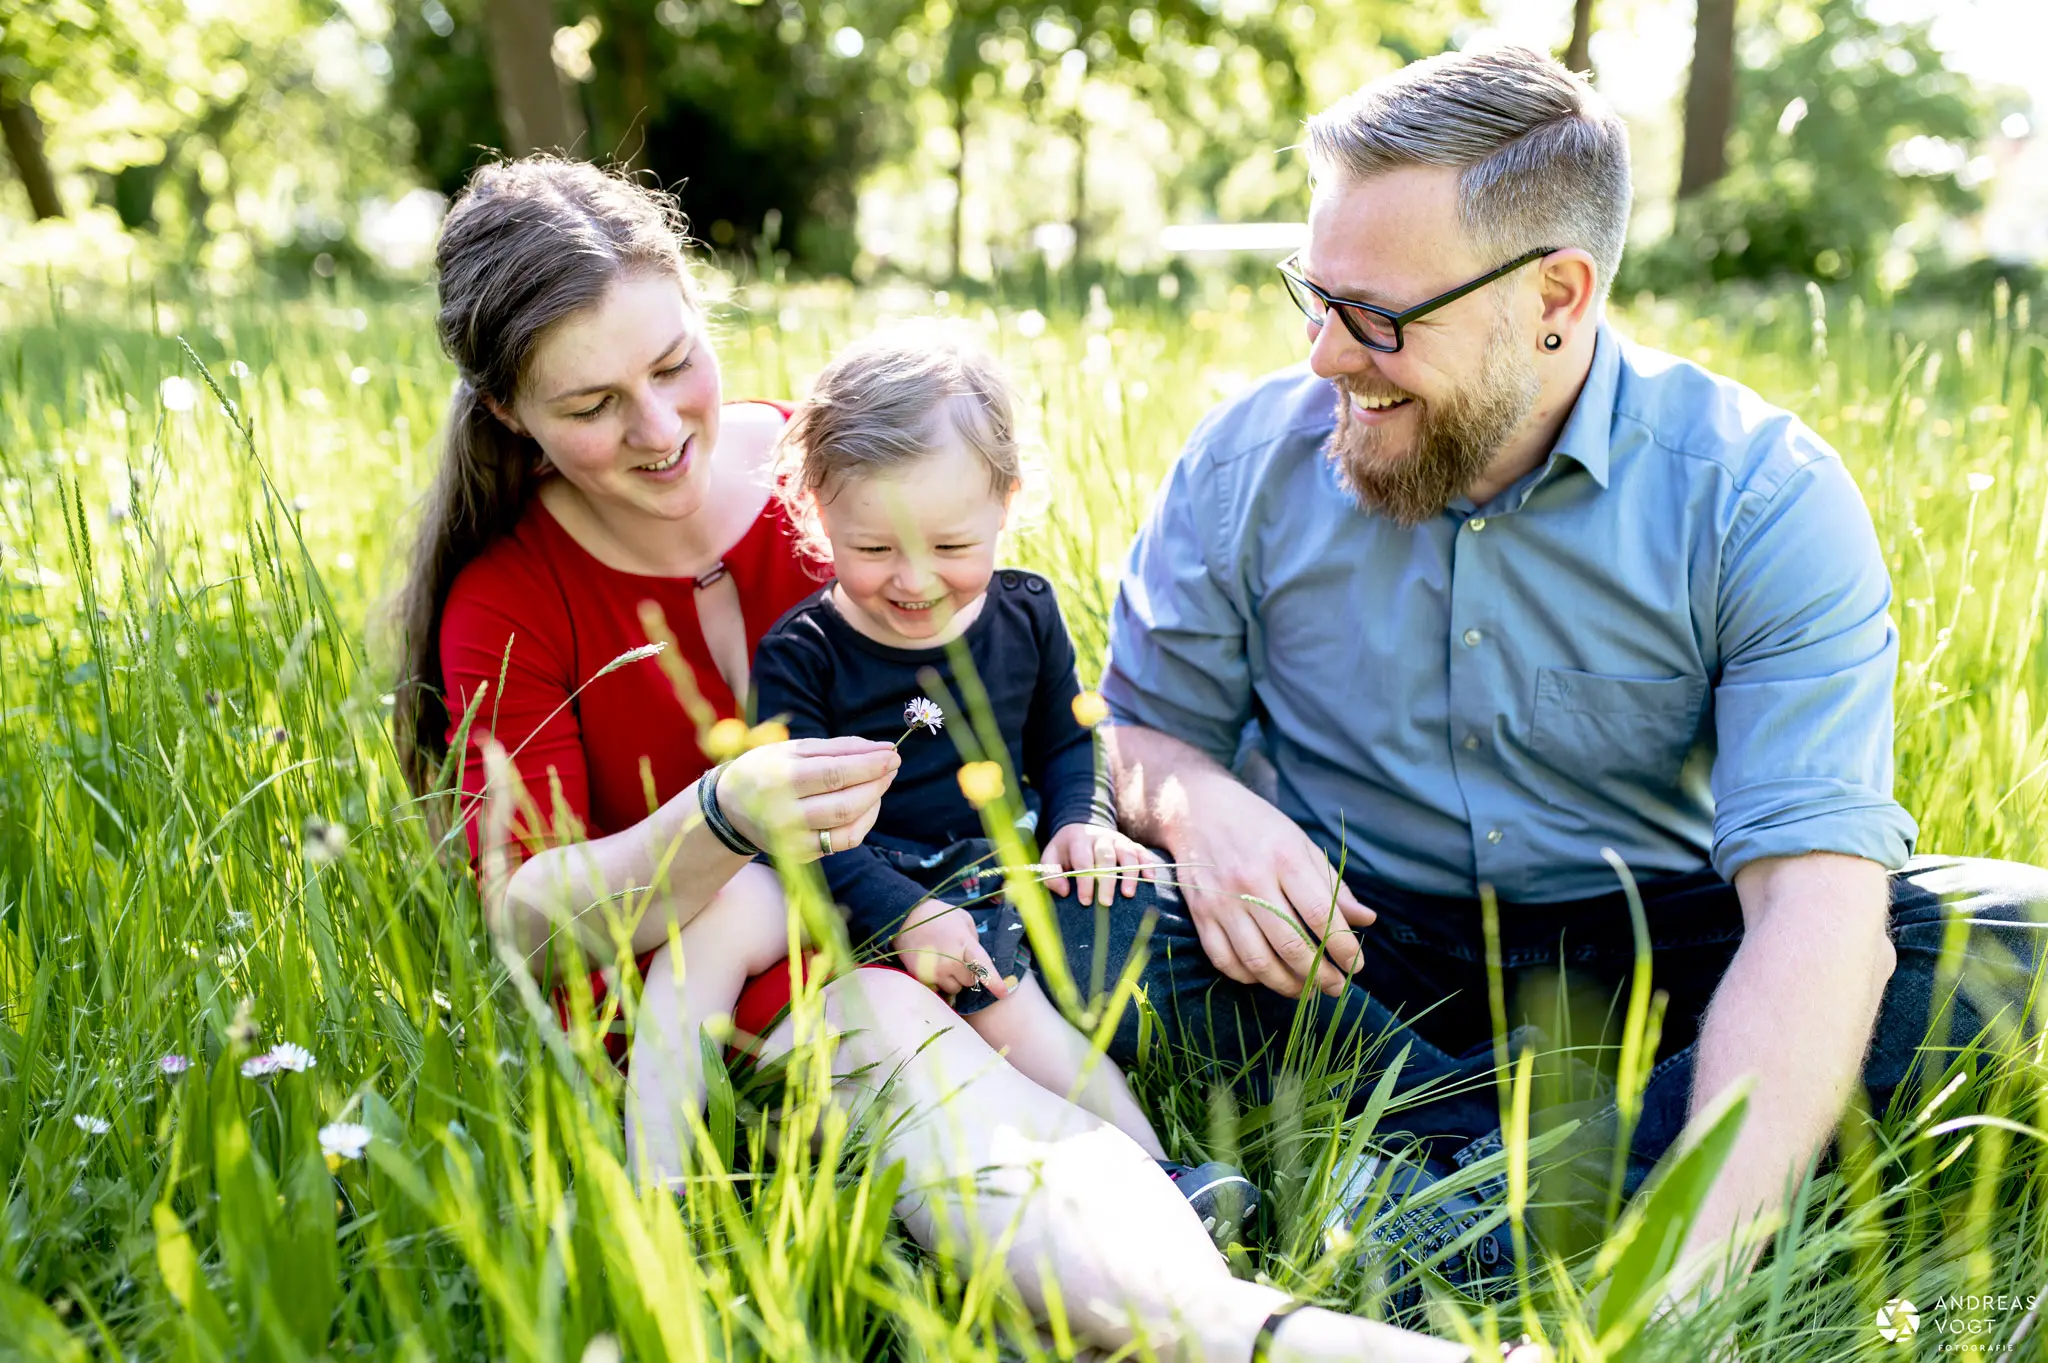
<point>1476,524</point>
<point>1494,835</point>
<point>1471,742</point>
<point>1472,638</point>
<point>1010,581</point>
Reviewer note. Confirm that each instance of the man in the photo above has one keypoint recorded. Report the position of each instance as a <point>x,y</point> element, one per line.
<point>1494,590</point>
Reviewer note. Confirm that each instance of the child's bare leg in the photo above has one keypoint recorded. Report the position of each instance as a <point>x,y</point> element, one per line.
<point>741,933</point>
<point>1047,1049</point>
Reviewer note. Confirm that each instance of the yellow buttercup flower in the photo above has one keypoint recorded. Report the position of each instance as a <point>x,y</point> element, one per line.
<point>727,739</point>
<point>981,783</point>
<point>1090,709</point>
<point>766,732</point>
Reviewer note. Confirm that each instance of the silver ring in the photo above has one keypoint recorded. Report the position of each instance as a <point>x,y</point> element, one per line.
<point>825,841</point>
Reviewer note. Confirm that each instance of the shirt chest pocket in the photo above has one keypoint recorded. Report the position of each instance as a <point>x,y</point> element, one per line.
<point>1589,724</point>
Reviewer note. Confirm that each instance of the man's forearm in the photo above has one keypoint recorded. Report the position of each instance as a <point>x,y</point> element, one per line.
<point>1153,772</point>
<point>1794,1011</point>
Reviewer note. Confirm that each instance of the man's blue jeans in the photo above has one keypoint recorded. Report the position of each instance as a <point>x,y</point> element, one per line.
<point>1424,986</point>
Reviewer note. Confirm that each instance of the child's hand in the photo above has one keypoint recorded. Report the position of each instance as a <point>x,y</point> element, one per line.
<point>939,945</point>
<point>1092,847</point>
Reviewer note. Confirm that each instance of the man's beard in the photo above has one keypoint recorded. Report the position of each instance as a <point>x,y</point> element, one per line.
<point>1455,437</point>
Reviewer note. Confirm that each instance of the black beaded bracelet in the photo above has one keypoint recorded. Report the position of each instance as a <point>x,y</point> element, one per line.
<point>714,817</point>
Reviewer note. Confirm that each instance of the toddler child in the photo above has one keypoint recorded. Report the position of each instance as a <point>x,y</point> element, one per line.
<point>902,465</point>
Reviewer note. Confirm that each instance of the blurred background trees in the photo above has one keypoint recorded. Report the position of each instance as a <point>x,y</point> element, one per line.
<point>946,140</point>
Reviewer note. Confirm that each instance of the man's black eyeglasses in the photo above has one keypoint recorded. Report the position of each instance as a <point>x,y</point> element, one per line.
<point>1375,327</point>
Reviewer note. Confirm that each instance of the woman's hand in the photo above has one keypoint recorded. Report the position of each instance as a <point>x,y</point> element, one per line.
<point>1084,847</point>
<point>939,945</point>
<point>782,796</point>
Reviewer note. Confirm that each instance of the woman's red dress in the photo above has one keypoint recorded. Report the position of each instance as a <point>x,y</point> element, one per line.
<point>538,609</point>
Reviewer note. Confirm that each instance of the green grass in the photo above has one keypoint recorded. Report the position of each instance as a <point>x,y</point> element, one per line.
<point>192,688</point>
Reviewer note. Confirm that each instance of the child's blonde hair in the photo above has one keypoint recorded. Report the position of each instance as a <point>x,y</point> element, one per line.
<point>881,405</point>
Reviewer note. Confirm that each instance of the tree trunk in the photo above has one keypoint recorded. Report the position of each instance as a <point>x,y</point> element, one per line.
<point>960,185</point>
<point>537,112</point>
<point>24,134</point>
<point>1709,97</point>
<point>1579,54</point>
<point>625,27</point>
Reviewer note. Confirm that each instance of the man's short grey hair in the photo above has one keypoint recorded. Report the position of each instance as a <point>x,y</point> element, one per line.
<point>1542,159</point>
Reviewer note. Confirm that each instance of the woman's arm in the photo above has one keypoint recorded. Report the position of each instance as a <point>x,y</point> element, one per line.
<point>667,867</point>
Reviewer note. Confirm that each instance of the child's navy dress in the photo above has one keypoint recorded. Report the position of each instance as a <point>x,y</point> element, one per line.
<point>825,679</point>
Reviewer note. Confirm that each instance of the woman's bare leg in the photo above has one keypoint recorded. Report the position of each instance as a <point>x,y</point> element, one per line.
<point>740,934</point>
<point>1093,1217</point>
<point>1045,1048</point>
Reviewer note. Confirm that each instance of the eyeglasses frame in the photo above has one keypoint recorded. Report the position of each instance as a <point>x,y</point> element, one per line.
<point>1397,320</point>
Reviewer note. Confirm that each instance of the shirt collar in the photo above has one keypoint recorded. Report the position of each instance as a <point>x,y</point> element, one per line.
<point>1589,429</point>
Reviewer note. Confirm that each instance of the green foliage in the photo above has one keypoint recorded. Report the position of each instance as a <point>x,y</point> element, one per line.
<point>232,134</point>
<point>190,698</point>
<point>744,108</point>
<point>1847,129</point>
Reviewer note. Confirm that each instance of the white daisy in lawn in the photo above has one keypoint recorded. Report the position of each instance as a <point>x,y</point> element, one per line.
<point>91,1126</point>
<point>922,713</point>
<point>344,1140</point>
<point>173,1064</point>
<point>284,1056</point>
<point>289,1055</point>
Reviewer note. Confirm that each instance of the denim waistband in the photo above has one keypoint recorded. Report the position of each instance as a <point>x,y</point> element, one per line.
<point>1679,910</point>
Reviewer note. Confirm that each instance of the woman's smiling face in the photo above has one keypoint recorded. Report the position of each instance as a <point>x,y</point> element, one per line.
<point>623,399</point>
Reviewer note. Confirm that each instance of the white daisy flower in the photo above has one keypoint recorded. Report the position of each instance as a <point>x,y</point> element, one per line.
<point>91,1126</point>
<point>291,1056</point>
<point>922,713</point>
<point>173,1064</point>
<point>284,1056</point>
<point>259,1066</point>
<point>344,1140</point>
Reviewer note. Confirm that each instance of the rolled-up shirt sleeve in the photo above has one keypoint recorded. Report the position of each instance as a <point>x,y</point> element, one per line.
<point>1803,706</point>
<point>1176,638</point>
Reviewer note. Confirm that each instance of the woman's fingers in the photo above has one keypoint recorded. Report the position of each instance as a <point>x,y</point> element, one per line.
<point>838,808</point>
<point>819,765</point>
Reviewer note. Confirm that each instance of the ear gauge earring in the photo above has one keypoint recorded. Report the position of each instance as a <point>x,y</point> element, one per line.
<point>1552,341</point>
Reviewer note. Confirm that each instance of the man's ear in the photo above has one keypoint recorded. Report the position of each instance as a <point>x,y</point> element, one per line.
<point>1569,282</point>
<point>498,410</point>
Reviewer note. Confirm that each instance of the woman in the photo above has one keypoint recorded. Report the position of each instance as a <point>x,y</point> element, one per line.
<point>591,463</point>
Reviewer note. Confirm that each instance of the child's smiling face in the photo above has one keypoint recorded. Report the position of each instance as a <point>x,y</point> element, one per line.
<point>914,548</point>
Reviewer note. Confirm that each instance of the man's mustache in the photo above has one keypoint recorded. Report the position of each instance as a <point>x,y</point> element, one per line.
<point>1371,392</point>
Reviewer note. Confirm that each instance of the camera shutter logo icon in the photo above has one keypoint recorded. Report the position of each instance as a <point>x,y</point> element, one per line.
<point>1898,1320</point>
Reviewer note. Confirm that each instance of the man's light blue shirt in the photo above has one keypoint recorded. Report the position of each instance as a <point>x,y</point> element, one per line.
<point>1671,639</point>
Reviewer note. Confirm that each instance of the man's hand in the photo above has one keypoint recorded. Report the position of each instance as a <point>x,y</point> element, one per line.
<point>1086,847</point>
<point>940,946</point>
<point>1259,889</point>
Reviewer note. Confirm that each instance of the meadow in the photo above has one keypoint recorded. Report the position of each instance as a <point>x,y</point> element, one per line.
<point>206,850</point>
